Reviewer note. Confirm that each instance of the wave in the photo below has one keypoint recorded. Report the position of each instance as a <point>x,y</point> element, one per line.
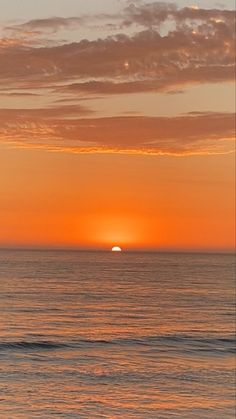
<point>185,343</point>
<point>163,343</point>
<point>21,345</point>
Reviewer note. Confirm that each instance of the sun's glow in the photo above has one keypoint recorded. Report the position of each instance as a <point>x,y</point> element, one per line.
<point>116,249</point>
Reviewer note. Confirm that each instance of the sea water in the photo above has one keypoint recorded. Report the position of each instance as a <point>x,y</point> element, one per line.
<point>116,335</point>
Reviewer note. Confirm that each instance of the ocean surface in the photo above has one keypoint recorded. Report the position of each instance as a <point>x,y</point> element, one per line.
<point>116,335</point>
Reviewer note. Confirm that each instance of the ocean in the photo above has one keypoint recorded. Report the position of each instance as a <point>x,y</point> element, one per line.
<point>116,335</point>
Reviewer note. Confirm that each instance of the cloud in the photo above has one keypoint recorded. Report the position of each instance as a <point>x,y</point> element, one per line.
<point>9,43</point>
<point>170,84</point>
<point>148,15</point>
<point>36,114</point>
<point>160,48</point>
<point>19,94</point>
<point>156,13</point>
<point>198,48</point>
<point>197,133</point>
<point>47,25</point>
<point>56,24</point>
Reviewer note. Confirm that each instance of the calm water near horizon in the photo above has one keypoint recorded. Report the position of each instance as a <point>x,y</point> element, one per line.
<point>116,335</point>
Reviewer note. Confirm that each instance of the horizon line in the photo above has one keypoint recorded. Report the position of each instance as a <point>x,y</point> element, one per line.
<point>124,250</point>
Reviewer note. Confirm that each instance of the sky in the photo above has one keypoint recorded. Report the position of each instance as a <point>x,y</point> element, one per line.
<point>117,124</point>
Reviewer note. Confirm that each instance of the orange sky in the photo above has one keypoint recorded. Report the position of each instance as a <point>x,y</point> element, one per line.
<point>135,201</point>
<point>126,137</point>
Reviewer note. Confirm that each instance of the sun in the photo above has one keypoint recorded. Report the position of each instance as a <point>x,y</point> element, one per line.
<point>116,249</point>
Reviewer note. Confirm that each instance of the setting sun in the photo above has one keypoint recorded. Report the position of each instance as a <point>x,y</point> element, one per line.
<point>116,249</point>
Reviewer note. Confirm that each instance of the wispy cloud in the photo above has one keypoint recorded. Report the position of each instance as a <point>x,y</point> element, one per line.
<point>207,133</point>
<point>47,25</point>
